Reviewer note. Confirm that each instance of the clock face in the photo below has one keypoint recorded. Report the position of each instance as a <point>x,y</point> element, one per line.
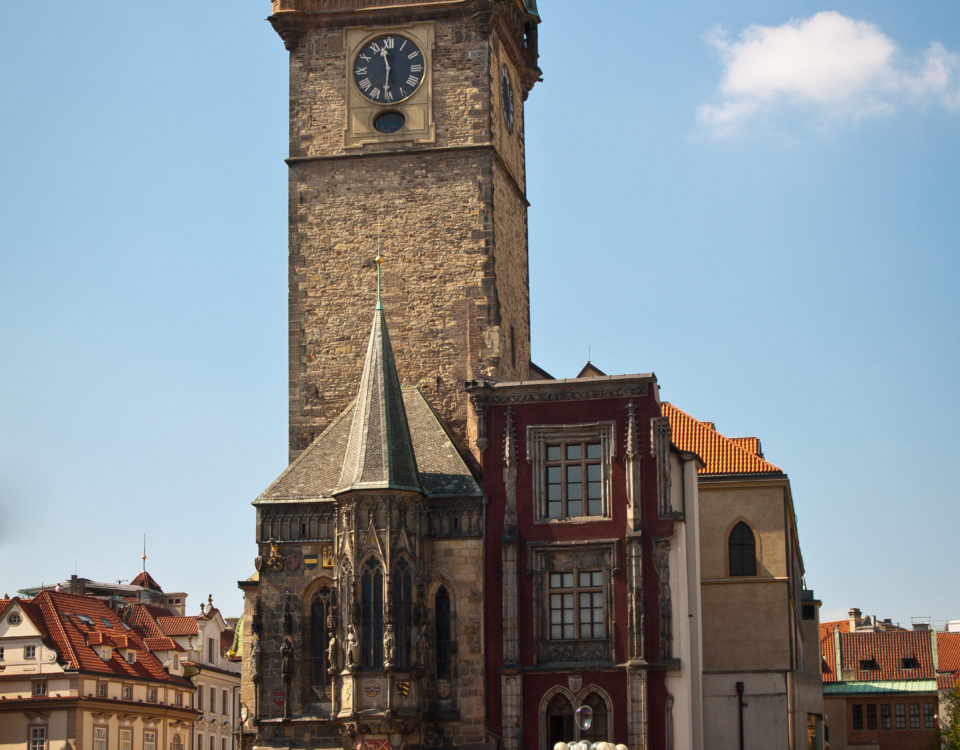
<point>389,69</point>
<point>506,91</point>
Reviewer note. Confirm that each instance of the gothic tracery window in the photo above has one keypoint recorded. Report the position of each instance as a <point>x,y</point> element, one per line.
<point>403,612</point>
<point>559,720</point>
<point>441,613</point>
<point>371,629</point>
<point>319,610</point>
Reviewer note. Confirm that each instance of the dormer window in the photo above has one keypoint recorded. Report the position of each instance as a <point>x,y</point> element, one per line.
<point>29,652</point>
<point>868,665</point>
<point>106,653</point>
<point>131,656</point>
<point>909,662</point>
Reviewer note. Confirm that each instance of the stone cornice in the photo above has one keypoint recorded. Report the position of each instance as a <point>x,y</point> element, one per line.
<point>570,389</point>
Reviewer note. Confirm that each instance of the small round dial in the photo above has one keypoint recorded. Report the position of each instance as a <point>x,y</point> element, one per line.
<point>506,91</point>
<point>388,69</point>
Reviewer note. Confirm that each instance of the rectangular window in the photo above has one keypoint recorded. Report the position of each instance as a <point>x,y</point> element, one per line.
<point>149,740</point>
<point>857,716</point>
<point>901,716</point>
<point>574,479</point>
<point>213,700</point>
<point>914,715</point>
<point>126,692</point>
<point>1,653</point>
<point>885,716</point>
<point>224,703</point>
<point>213,742</point>
<point>151,695</point>
<point>126,738</point>
<point>29,652</point>
<point>131,656</point>
<point>200,699</point>
<point>210,650</point>
<point>178,698</point>
<point>99,738</point>
<point>38,738</point>
<point>101,690</point>
<point>871,716</point>
<point>40,687</point>
<point>199,741</point>
<point>928,720</point>
<point>576,605</point>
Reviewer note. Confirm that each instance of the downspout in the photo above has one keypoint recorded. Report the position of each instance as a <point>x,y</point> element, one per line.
<point>740,705</point>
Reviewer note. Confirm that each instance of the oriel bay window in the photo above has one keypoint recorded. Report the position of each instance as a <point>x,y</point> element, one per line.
<point>571,470</point>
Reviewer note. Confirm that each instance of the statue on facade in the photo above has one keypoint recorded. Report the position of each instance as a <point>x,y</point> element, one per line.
<point>351,648</point>
<point>332,650</point>
<point>255,660</point>
<point>286,658</point>
<point>422,646</point>
<point>388,645</point>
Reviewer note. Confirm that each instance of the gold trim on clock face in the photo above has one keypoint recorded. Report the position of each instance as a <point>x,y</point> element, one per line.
<point>388,69</point>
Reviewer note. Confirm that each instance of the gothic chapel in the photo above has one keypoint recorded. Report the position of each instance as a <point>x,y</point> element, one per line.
<point>413,588</point>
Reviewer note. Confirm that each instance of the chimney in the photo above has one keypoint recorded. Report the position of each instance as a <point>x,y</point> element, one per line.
<point>854,618</point>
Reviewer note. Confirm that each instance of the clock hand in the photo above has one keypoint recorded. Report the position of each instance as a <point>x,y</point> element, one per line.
<point>386,62</point>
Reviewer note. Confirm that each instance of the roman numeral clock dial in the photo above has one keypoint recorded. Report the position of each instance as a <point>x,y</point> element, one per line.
<point>388,69</point>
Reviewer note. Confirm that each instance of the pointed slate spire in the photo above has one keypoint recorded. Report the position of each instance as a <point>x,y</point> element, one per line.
<point>379,452</point>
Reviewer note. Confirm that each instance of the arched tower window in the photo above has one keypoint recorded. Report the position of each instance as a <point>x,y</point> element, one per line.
<point>743,551</point>
<point>371,628</point>
<point>559,720</point>
<point>319,610</point>
<point>441,614</point>
<point>403,612</point>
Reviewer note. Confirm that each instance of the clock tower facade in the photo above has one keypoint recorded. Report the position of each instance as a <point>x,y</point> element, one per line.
<point>407,132</point>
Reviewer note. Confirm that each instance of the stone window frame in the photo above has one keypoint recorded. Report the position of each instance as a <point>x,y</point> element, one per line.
<point>575,699</point>
<point>38,737</point>
<point>547,557</point>
<point>151,742</point>
<point>537,438</point>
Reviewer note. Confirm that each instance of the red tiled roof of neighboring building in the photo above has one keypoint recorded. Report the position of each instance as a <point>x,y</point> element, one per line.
<point>885,650</point>
<point>827,628</point>
<point>75,622</point>
<point>162,643</point>
<point>721,455</point>
<point>143,618</point>
<point>178,625</point>
<point>146,580</point>
<point>948,660</point>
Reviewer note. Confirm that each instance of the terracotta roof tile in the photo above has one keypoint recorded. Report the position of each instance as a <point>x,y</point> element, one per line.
<point>174,625</point>
<point>948,660</point>
<point>884,650</point>
<point>721,455</point>
<point>146,580</point>
<point>77,622</point>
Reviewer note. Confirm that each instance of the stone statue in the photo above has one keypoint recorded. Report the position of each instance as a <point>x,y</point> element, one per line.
<point>286,657</point>
<point>352,648</point>
<point>255,660</point>
<point>422,645</point>
<point>388,647</point>
<point>332,653</point>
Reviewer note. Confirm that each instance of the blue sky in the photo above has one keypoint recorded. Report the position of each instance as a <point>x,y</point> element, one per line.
<point>756,201</point>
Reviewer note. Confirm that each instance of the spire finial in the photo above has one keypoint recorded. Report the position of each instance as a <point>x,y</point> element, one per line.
<point>143,557</point>
<point>378,261</point>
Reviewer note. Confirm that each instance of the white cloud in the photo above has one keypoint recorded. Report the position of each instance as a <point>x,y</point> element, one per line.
<point>827,65</point>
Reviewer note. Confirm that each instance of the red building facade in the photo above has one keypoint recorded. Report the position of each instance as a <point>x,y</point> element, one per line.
<point>579,594</point>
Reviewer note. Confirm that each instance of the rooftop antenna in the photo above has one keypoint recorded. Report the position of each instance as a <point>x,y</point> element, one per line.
<point>143,557</point>
<point>588,353</point>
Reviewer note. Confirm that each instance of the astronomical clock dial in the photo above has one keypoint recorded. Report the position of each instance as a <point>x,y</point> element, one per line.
<point>388,69</point>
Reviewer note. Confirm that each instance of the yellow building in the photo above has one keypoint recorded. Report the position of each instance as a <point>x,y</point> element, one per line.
<point>761,667</point>
<point>72,675</point>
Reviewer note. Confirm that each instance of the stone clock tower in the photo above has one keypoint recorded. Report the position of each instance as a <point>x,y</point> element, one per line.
<point>407,116</point>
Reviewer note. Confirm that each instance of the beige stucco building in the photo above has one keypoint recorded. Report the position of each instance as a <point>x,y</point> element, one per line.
<point>761,676</point>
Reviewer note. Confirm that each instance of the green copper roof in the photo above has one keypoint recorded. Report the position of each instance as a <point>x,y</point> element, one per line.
<point>532,7</point>
<point>379,452</point>
<point>880,686</point>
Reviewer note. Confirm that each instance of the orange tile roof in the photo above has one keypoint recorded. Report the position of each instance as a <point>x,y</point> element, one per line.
<point>721,455</point>
<point>146,580</point>
<point>827,628</point>
<point>178,625</point>
<point>75,623</point>
<point>948,660</point>
<point>885,649</point>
